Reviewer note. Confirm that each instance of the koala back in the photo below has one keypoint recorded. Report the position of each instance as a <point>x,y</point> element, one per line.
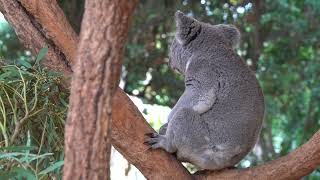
<point>218,118</point>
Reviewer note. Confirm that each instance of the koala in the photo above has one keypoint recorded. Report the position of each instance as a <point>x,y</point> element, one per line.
<point>218,118</point>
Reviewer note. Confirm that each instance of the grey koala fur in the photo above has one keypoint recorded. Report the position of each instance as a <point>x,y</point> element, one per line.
<point>218,118</point>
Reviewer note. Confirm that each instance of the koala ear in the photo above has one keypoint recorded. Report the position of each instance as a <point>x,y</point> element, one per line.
<point>231,33</point>
<point>187,28</point>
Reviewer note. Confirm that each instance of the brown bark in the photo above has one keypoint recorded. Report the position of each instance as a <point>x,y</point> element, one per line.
<point>129,127</point>
<point>57,28</point>
<point>33,36</point>
<point>94,83</point>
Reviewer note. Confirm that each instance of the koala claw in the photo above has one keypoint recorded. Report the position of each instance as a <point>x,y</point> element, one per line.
<point>146,143</point>
<point>152,135</point>
<point>154,140</point>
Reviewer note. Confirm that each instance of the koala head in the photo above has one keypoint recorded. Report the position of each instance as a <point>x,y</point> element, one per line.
<point>195,37</point>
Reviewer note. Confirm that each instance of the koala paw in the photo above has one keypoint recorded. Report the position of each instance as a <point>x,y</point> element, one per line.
<point>153,140</point>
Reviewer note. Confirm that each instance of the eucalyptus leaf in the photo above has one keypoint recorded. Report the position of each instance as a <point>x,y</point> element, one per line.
<point>52,168</point>
<point>18,148</point>
<point>25,63</point>
<point>42,53</point>
<point>22,173</point>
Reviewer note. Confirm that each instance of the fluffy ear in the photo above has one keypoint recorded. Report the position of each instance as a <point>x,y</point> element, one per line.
<point>231,33</point>
<point>187,28</point>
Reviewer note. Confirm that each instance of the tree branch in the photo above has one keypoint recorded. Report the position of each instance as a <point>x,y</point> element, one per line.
<point>129,127</point>
<point>33,36</point>
<point>54,24</point>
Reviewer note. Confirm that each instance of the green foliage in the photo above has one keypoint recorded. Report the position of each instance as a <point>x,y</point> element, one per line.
<point>32,112</point>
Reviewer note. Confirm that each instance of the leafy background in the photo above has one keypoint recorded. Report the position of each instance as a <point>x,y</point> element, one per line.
<point>280,42</point>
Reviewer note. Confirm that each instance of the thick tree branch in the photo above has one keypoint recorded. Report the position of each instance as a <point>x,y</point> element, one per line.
<point>129,127</point>
<point>55,25</point>
<point>33,36</point>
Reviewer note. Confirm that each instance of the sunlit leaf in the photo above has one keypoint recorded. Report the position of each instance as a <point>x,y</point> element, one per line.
<point>42,53</point>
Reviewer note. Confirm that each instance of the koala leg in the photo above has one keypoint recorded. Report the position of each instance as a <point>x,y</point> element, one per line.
<point>184,133</point>
<point>156,141</point>
<point>187,133</point>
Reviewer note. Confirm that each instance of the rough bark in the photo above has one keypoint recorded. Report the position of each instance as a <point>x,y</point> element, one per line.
<point>57,28</point>
<point>129,127</point>
<point>94,83</point>
<point>33,36</point>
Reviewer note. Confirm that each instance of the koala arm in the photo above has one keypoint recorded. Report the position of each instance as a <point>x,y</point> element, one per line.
<point>205,102</point>
<point>205,81</point>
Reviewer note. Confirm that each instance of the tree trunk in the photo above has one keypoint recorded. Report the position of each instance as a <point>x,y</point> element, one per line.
<point>96,77</point>
<point>129,127</point>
